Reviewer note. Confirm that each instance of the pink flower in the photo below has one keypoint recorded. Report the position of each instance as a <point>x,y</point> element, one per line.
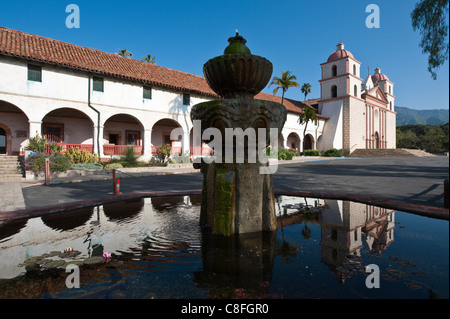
<point>107,255</point>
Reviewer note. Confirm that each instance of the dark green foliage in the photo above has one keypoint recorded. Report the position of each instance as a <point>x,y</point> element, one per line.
<point>431,138</point>
<point>332,153</point>
<point>311,153</point>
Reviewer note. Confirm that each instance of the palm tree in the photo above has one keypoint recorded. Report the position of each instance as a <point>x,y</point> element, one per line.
<point>124,53</point>
<point>286,81</point>
<point>306,89</point>
<point>149,59</point>
<point>309,114</point>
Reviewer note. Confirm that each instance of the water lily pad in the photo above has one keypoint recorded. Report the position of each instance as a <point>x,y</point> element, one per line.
<point>397,272</point>
<point>51,254</point>
<point>55,263</point>
<point>93,260</point>
<point>419,274</point>
<point>30,261</point>
<point>412,285</point>
<point>69,254</point>
<point>388,277</point>
<point>74,262</point>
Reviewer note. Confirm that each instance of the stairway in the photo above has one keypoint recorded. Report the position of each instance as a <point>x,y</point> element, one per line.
<point>10,170</point>
<point>393,152</point>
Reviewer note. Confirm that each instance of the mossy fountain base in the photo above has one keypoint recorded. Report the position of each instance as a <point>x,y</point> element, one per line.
<point>237,195</point>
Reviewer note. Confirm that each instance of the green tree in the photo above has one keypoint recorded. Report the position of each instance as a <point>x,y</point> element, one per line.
<point>306,89</point>
<point>429,17</point>
<point>124,53</point>
<point>309,114</point>
<point>149,59</point>
<point>286,81</point>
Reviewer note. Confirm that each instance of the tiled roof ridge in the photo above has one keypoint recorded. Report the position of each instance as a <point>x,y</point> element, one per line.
<point>163,76</point>
<point>88,59</point>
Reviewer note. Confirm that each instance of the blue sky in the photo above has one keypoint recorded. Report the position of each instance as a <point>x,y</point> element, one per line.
<point>294,35</point>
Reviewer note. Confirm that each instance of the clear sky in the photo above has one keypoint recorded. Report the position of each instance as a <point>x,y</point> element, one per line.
<point>295,35</point>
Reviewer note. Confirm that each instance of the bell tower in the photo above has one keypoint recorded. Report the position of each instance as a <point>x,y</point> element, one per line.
<point>340,99</point>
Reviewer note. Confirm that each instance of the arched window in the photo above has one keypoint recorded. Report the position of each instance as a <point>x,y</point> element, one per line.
<point>390,105</point>
<point>334,70</point>
<point>355,90</point>
<point>389,89</point>
<point>334,91</point>
<point>354,69</point>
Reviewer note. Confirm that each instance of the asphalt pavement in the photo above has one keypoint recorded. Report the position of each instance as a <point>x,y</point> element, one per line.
<point>415,180</point>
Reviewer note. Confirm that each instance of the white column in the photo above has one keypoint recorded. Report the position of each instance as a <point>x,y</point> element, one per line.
<point>35,128</point>
<point>98,140</point>
<point>186,142</point>
<point>147,143</point>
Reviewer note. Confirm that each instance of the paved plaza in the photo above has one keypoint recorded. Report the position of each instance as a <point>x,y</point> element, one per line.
<point>415,180</point>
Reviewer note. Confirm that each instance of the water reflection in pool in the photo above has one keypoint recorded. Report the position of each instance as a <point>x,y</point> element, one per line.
<point>321,250</point>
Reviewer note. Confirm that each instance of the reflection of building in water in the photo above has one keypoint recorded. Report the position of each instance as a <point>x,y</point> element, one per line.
<point>347,226</point>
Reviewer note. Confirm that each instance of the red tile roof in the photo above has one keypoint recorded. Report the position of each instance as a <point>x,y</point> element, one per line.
<point>36,48</point>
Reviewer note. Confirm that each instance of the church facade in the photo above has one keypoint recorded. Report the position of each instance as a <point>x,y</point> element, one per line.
<point>361,113</point>
<point>104,103</point>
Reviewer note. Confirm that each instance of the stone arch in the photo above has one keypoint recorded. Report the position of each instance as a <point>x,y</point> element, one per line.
<point>308,142</point>
<point>14,129</point>
<point>293,141</point>
<point>69,126</point>
<point>161,131</point>
<point>122,130</point>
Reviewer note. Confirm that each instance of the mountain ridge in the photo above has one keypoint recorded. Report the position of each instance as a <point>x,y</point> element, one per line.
<point>407,116</point>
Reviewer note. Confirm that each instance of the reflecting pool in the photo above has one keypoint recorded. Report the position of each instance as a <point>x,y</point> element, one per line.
<point>322,249</point>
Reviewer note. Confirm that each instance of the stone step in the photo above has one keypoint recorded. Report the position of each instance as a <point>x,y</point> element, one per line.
<point>388,153</point>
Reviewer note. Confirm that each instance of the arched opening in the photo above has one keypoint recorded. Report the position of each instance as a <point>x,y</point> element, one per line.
<point>354,69</point>
<point>2,141</point>
<point>377,140</point>
<point>69,128</point>
<point>198,150</point>
<point>334,70</point>
<point>280,140</point>
<point>161,135</point>
<point>308,142</point>
<point>293,141</point>
<point>14,129</point>
<point>334,91</point>
<point>355,90</point>
<point>120,132</point>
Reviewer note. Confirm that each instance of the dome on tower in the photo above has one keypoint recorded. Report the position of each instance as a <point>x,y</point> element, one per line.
<point>378,76</point>
<point>339,53</point>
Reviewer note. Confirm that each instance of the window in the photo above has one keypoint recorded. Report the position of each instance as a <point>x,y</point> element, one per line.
<point>54,133</point>
<point>354,69</point>
<point>34,73</point>
<point>355,90</point>
<point>334,91</point>
<point>133,138</point>
<point>147,93</point>
<point>186,99</point>
<point>98,84</point>
<point>389,89</point>
<point>390,105</point>
<point>334,70</point>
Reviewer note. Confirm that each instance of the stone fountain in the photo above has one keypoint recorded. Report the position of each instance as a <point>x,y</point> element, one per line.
<point>237,195</point>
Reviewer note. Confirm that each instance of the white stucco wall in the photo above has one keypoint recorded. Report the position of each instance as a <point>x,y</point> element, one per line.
<point>332,136</point>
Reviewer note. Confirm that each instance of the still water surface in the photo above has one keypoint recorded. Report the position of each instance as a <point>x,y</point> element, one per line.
<point>321,250</point>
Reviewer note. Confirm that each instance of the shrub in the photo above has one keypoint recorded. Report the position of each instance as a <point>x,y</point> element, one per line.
<point>164,151</point>
<point>332,153</point>
<point>113,166</point>
<point>285,154</point>
<point>311,153</point>
<point>36,162</point>
<point>129,159</point>
<point>79,156</point>
<point>36,144</point>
